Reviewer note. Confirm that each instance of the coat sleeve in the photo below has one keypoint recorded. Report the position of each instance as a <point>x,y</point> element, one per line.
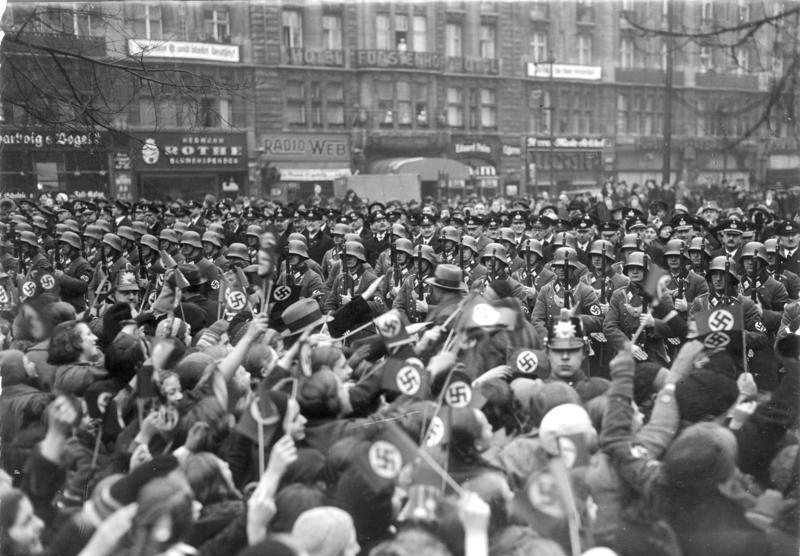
<point>668,323</point>
<point>540,312</point>
<point>332,299</point>
<point>771,316</point>
<point>755,332</point>
<point>592,317</point>
<point>612,328</point>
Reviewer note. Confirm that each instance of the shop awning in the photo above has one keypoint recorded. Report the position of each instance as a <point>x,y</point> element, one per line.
<point>428,169</point>
<point>319,171</point>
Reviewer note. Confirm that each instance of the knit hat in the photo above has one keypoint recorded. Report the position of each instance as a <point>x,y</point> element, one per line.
<point>101,501</point>
<point>172,327</point>
<point>697,458</point>
<point>12,367</point>
<point>324,531</point>
<point>112,322</point>
<point>190,369</point>
<point>212,335</point>
<point>704,393</point>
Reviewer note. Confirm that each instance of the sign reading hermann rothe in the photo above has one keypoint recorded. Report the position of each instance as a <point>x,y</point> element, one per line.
<point>179,50</point>
<point>192,150</point>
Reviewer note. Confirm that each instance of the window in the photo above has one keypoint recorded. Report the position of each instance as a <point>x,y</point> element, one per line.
<point>648,116</point>
<point>742,60</point>
<point>539,111</point>
<point>420,33</point>
<point>487,41</point>
<point>332,32</point>
<point>664,55</point>
<point>706,63</point>
<point>455,107</point>
<point>295,103</point>
<point>386,104</point>
<point>421,105</point>
<point>777,65</point>
<point>627,5</point>
<point>488,108</point>
<point>539,46</point>
<point>474,110</point>
<point>217,25</point>
<point>626,53</point>
<point>622,114</point>
<point>316,104</point>
<point>82,20</point>
<point>743,10</point>
<point>584,50</point>
<point>404,112</point>
<point>453,40</point>
<point>706,12</point>
<point>401,32</point>
<point>636,123</point>
<point>292,29</point>
<point>334,99</point>
<point>382,41</point>
<point>147,21</point>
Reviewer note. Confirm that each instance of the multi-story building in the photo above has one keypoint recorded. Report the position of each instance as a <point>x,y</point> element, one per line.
<point>477,97</point>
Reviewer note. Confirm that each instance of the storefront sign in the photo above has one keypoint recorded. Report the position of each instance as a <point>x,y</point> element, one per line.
<point>696,143</point>
<point>313,174</point>
<point>309,57</point>
<point>563,71</point>
<point>316,147</point>
<point>480,148</point>
<point>38,140</point>
<point>573,161</point>
<point>189,151</point>
<point>178,50</point>
<point>397,59</point>
<point>512,150</point>
<point>480,66</point>
<point>566,142</point>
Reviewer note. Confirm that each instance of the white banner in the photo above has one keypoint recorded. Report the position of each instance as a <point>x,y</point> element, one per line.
<point>184,50</point>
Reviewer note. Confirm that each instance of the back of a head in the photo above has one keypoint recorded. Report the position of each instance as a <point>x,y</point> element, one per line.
<point>55,313</point>
<point>169,496</point>
<point>318,395</point>
<point>12,367</point>
<point>704,394</point>
<point>324,531</point>
<point>291,502</point>
<point>124,356</point>
<point>703,456</point>
<point>553,394</point>
<point>412,541</point>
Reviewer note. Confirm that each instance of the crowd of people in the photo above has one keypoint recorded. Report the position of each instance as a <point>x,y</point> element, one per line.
<point>342,378</point>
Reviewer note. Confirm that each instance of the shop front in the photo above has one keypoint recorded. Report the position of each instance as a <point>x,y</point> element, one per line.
<point>304,164</point>
<point>781,162</point>
<point>39,161</point>
<point>482,155</point>
<point>186,165</point>
<point>564,164</point>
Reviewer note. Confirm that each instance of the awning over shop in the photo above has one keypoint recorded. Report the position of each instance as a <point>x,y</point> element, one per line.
<point>312,171</point>
<point>428,169</point>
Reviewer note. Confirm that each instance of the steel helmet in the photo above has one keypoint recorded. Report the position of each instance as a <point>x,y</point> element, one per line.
<point>212,238</point>
<point>103,224</point>
<point>72,225</point>
<point>150,241</point>
<point>170,235</point>
<point>637,258</point>
<point>631,241</point>
<point>126,232</point>
<point>297,236</point>
<point>771,246</point>
<point>23,227</point>
<point>39,221</point>
<point>139,228</point>
<point>603,247</point>
<point>404,245</point>
<point>298,248</point>
<point>495,250</point>
<point>93,232</point>
<point>675,247</point>
<point>71,238</point>
<point>216,227</point>
<point>754,249</point>
<point>719,263</point>
<point>355,249</point>
<point>340,229</point>
<point>352,237</point>
<point>451,233</point>
<point>700,244</point>
<point>507,234</point>
<point>192,238</point>
<point>254,230</point>
<point>565,256</point>
<point>470,243</point>
<point>238,251</point>
<point>113,241</point>
<point>565,239</point>
<point>426,253</point>
<point>399,230</point>
<point>531,246</point>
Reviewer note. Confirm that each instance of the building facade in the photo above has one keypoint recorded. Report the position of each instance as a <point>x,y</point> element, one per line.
<point>526,95</point>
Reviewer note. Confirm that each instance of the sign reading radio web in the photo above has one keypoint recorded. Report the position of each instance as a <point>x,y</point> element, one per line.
<point>293,146</point>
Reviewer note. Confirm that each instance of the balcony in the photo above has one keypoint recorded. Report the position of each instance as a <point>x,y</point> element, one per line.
<point>85,46</point>
<point>478,66</point>
<point>642,76</point>
<point>714,80</point>
<point>298,56</point>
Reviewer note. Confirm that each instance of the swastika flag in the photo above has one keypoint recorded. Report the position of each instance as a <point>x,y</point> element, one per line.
<point>721,326</point>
